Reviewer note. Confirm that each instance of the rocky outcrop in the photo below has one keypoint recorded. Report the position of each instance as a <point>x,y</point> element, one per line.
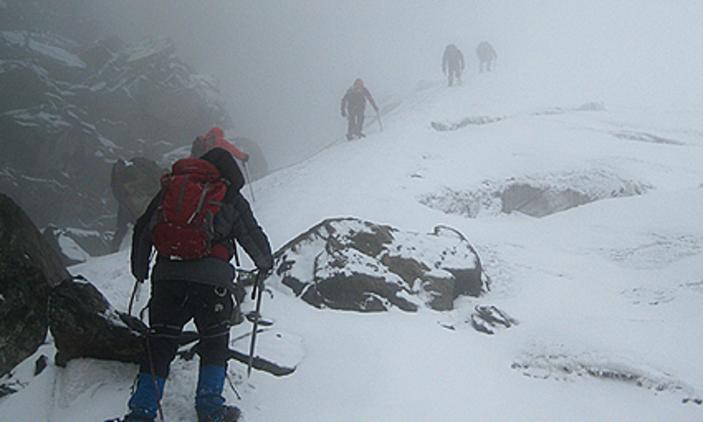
<point>85,325</point>
<point>69,111</point>
<point>28,269</point>
<point>356,265</point>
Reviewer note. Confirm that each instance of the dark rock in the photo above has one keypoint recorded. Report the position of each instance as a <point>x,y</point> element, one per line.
<point>85,325</point>
<point>40,364</point>
<point>135,183</point>
<point>28,269</point>
<point>10,388</point>
<point>355,265</point>
<point>488,319</point>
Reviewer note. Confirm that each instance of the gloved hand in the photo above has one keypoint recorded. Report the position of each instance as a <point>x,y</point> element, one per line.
<point>264,272</point>
<point>246,158</point>
<point>344,113</point>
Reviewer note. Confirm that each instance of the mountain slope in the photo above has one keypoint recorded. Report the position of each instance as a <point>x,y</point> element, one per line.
<point>607,293</point>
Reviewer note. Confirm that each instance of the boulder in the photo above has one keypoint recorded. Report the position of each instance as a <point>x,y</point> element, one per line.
<point>29,267</point>
<point>85,325</point>
<point>356,265</point>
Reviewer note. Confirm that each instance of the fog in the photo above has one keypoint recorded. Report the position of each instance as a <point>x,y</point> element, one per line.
<point>284,65</point>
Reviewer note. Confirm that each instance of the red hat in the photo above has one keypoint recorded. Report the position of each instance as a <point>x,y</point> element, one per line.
<point>216,132</point>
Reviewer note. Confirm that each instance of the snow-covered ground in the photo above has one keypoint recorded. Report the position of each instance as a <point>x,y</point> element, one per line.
<point>608,294</point>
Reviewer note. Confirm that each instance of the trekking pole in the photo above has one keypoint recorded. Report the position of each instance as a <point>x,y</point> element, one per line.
<point>380,123</point>
<point>231,385</point>
<point>135,294</point>
<point>258,290</point>
<point>251,188</point>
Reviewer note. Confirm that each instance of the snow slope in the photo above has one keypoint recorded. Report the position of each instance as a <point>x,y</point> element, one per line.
<point>608,294</point>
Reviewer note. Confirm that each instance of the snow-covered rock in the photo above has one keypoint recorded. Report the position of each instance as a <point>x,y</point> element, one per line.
<point>351,264</point>
<point>28,269</point>
<point>85,325</point>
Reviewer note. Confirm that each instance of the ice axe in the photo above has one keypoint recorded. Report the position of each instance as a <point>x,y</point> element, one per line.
<point>257,291</point>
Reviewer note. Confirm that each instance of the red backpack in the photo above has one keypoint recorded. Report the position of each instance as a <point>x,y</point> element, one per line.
<point>191,196</point>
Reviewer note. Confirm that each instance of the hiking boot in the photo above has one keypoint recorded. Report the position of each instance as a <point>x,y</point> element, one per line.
<point>350,136</point>
<point>144,403</point>
<point>137,417</point>
<point>225,414</point>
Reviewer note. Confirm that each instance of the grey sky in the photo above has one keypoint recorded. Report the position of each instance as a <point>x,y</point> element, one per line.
<point>284,65</point>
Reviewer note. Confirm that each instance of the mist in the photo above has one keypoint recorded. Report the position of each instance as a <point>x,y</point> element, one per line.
<point>283,66</point>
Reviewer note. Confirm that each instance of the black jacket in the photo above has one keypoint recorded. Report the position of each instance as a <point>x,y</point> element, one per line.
<point>452,59</point>
<point>234,222</point>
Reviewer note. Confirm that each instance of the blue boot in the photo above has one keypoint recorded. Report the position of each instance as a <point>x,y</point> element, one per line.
<point>144,403</point>
<point>209,402</point>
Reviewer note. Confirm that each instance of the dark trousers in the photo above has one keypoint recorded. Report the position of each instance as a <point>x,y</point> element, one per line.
<point>356,123</point>
<point>174,303</point>
<point>454,73</point>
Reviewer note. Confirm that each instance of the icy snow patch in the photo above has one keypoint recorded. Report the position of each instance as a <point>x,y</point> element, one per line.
<point>72,250</point>
<point>53,52</point>
<point>538,195</point>
<point>661,295</point>
<point>660,251</point>
<point>564,367</point>
<point>483,120</point>
<point>57,53</point>
<point>473,120</point>
<point>645,137</point>
<point>284,349</point>
<point>592,106</point>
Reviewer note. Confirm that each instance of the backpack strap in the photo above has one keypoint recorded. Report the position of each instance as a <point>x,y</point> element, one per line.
<point>201,200</point>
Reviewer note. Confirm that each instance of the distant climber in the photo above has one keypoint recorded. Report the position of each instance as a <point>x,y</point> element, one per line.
<point>257,161</point>
<point>453,63</point>
<point>354,106</point>
<point>215,138</point>
<point>486,56</point>
<point>193,223</point>
<point>133,184</point>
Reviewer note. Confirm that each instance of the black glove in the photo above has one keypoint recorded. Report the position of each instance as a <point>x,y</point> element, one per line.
<point>264,272</point>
